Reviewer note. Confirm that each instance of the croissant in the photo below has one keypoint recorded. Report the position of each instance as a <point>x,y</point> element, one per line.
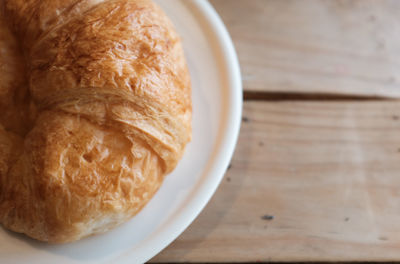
<point>97,107</point>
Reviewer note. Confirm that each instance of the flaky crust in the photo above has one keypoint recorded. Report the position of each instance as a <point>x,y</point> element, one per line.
<point>103,114</point>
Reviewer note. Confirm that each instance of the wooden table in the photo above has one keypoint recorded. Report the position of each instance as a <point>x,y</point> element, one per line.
<point>316,172</point>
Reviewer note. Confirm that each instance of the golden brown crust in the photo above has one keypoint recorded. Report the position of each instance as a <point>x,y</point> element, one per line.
<point>13,88</point>
<point>111,93</point>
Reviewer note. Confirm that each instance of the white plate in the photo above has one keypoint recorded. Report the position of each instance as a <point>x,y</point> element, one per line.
<point>217,104</point>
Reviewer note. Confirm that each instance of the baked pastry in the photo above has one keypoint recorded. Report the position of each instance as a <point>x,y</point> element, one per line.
<point>104,113</point>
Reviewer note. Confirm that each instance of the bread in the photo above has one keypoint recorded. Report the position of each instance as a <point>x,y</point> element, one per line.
<point>100,109</point>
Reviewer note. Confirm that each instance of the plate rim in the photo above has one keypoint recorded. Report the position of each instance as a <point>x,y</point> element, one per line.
<point>227,143</point>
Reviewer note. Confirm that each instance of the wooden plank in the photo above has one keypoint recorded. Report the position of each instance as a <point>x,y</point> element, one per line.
<point>328,173</point>
<point>345,47</point>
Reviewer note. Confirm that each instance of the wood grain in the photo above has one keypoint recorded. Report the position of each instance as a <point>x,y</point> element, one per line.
<point>327,172</point>
<point>333,47</point>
